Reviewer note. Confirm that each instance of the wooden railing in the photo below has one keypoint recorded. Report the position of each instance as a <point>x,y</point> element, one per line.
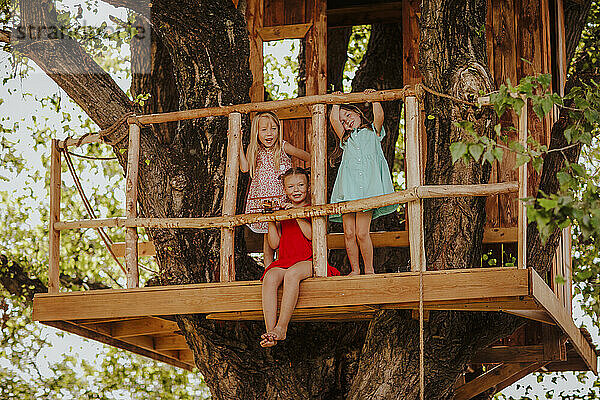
<point>413,195</point>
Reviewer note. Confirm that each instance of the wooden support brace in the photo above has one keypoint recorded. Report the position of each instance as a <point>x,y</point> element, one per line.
<point>492,378</point>
<point>318,188</point>
<point>55,190</point>
<point>414,179</point>
<point>522,216</point>
<point>234,142</point>
<point>254,17</point>
<point>131,235</point>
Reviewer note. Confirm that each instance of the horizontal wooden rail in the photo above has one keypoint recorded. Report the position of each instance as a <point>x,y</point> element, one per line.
<point>419,192</point>
<point>336,241</point>
<point>382,95</point>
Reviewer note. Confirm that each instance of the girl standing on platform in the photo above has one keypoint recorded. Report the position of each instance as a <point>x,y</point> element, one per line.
<point>363,173</point>
<point>266,158</point>
<point>293,239</point>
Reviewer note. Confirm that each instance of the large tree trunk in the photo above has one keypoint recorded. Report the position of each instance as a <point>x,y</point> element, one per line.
<point>202,52</point>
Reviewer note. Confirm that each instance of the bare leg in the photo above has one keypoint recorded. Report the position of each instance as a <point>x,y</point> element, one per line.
<point>291,286</point>
<point>271,282</point>
<point>349,221</point>
<point>267,252</point>
<point>363,235</point>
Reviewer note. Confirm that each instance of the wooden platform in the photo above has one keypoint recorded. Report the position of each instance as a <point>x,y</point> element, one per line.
<point>140,319</point>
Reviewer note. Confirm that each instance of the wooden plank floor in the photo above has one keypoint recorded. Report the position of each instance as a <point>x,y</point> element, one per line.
<point>127,318</point>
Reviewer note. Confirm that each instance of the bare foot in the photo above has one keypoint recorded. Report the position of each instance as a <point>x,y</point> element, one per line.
<point>369,271</point>
<point>354,273</point>
<point>268,340</point>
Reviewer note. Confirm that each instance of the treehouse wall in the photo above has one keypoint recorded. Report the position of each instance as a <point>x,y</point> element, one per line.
<point>523,38</point>
<point>290,19</point>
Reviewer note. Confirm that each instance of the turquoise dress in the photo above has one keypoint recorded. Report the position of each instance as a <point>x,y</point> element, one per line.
<point>364,172</point>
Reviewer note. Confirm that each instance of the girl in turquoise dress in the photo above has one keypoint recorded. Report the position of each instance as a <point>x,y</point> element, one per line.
<point>363,173</point>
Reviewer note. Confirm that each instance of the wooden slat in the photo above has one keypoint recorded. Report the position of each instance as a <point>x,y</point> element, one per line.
<point>336,241</point>
<point>377,13</point>
<point>522,218</point>
<point>55,193</point>
<point>535,315</point>
<point>309,314</point>
<point>254,18</point>
<point>227,265</point>
<point>294,113</point>
<point>142,326</point>
<point>172,342</point>
<point>90,334</point>
<point>186,356</point>
<point>316,49</point>
<point>548,300</point>
<point>280,32</point>
<point>318,188</point>
<point>410,42</point>
<point>490,379</point>
<point>414,179</point>
<point>510,354</point>
<point>131,235</point>
<point>379,289</point>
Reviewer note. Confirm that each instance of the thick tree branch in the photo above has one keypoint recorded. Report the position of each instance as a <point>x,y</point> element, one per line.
<point>576,13</point>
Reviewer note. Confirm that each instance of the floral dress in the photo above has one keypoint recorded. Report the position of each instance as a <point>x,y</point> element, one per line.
<point>363,172</point>
<point>266,184</point>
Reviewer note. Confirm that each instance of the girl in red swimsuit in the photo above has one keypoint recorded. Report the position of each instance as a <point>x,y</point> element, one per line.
<point>294,264</point>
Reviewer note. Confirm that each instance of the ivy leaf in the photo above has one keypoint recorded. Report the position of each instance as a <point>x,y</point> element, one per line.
<point>458,150</point>
<point>522,159</point>
<point>476,150</point>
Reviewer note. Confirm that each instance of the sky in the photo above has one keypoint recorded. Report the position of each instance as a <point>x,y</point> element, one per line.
<point>24,107</point>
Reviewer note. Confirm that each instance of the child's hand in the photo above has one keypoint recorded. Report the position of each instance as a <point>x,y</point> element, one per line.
<point>338,92</point>
<point>368,91</point>
<point>287,206</point>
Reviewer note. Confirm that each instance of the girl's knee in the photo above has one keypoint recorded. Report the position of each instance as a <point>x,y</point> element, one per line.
<point>349,233</point>
<point>363,234</point>
<point>271,278</point>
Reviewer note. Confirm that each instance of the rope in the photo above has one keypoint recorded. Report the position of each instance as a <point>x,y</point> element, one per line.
<point>421,87</point>
<point>104,133</point>
<point>421,339</point>
<point>91,158</point>
<point>105,238</point>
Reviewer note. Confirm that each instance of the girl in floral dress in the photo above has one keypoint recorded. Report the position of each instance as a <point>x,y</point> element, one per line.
<point>267,157</point>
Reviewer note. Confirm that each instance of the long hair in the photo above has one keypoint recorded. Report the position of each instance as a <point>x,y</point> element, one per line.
<point>364,123</point>
<point>254,142</point>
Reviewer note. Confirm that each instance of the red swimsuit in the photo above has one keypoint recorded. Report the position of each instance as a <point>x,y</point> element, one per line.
<point>294,247</point>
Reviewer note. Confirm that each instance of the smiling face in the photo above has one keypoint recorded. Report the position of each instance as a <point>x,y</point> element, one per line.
<point>350,119</point>
<point>268,131</point>
<point>296,188</point>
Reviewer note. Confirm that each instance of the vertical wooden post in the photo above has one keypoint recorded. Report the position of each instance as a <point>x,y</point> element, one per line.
<point>55,184</point>
<point>234,140</point>
<point>318,186</point>
<point>522,216</point>
<point>254,16</point>
<point>131,235</point>
<point>414,178</point>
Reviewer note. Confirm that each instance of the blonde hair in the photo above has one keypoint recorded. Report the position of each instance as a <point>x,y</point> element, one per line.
<point>254,143</point>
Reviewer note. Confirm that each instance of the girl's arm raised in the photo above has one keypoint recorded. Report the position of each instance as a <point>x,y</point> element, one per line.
<point>334,118</point>
<point>244,167</point>
<point>377,114</point>
<point>293,151</point>
<point>305,227</point>
<point>273,235</point>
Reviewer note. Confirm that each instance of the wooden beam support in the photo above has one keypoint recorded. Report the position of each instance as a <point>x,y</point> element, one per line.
<point>281,32</point>
<point>131,235</point>
<point>522,216</point>
<point>173,342</point>
<point>413,180</point>
<point>254,17</point>
<point>318,188</point>
<point>491,378</point>
<point>55,194</point>
<point>227,266</point>
<point>380,13</point>
<point>519,375</point>
<point>143,326</point>
<point>422,192</point>
<point>454,287</point>
<point>548,300</point>
<point>515,354</point>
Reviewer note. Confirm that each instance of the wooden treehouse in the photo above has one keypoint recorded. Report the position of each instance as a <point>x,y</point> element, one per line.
<point>140,319</point>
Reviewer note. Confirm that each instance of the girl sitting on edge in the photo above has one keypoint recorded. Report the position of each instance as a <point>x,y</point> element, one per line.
<point>363,173</point>
<point>266,158</point>
<point>293,239</point>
